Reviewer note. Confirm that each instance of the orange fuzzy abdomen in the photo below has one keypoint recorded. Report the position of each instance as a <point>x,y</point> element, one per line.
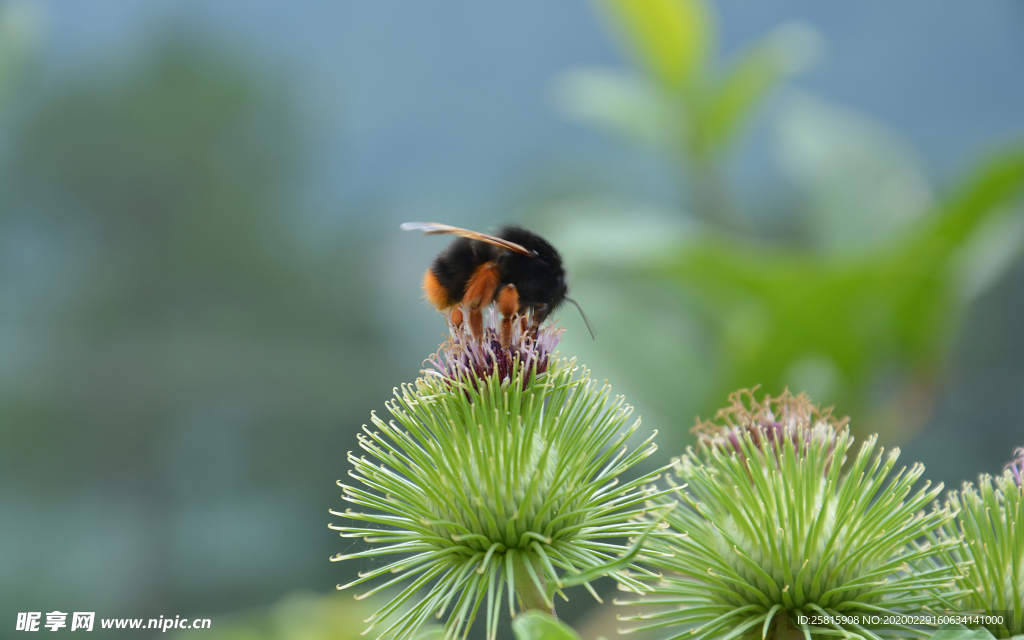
<point>436,294</point>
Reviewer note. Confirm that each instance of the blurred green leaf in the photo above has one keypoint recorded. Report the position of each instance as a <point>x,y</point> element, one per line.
<point>893,306</point>
<point>989,253</point>
<point>595,232</point>
<point>861,181</point>
<point>670,38</point>
<point>760,69</point>
<point>686,108</point>
<point>536,625</point>
<point>865,319</point>
<point>622,104</point>
<point>841,325</point>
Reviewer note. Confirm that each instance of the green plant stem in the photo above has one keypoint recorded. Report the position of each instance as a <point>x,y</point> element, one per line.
<point>529,596</point>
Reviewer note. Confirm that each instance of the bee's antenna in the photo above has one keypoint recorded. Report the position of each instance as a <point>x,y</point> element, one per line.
<point>585,320</point>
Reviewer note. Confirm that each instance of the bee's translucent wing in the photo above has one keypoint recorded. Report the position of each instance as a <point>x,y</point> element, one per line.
<point>436,228</point>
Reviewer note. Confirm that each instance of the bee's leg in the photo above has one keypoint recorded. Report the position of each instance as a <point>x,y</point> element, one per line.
<point>476,324</point>
<point>479,293</point>
<point>508,303</point>
<point>456,317</point>
<point>540,314</point>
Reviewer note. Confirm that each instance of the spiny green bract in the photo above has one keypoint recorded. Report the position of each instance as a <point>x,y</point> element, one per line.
<point>772,529</point>
<point>989,551</point>
<point>489,487</point>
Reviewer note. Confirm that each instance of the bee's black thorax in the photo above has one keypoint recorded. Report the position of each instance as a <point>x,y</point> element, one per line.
<point>540,280</point>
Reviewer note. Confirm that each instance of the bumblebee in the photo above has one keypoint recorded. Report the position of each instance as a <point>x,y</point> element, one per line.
<point>517,269</point>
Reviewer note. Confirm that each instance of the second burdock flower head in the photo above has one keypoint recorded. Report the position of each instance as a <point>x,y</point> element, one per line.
<point>988,551</point>
<point>1016,467</point>
<point>497,485</point>
<point>774,528</point>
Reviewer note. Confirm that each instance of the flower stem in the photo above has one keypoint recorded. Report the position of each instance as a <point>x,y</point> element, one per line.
<point>526,587</point>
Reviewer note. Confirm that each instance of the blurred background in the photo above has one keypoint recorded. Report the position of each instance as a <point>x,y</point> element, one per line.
<point>204,292</point>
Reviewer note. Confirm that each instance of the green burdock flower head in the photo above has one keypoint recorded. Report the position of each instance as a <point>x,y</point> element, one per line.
<point>772,529</point>
<point>497,481</point>
<point>790,419</point>
<point>989,552</point>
